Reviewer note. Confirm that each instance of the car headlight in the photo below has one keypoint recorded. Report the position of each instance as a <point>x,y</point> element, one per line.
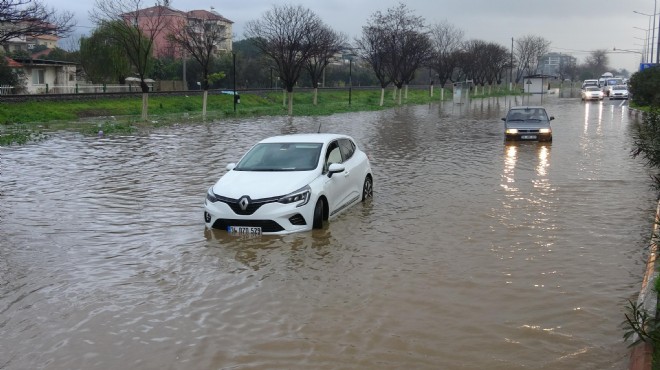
<point>545,131</point>
<point>511,131</point>
<point>301,195</point>
<point>210,195</point>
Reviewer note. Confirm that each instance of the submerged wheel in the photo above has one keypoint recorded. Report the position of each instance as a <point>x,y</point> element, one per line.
<point>318,215</point>
<point>367,188</point>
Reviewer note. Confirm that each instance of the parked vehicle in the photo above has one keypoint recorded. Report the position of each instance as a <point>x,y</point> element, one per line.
<point>592,93</point>
<point>289,183</point>
<point>527,123</point>
<point>619,92</point>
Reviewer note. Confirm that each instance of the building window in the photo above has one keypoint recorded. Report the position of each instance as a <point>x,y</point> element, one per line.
<point>38,77</point>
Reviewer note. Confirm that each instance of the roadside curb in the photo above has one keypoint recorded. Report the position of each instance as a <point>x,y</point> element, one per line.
<point>641,355</point>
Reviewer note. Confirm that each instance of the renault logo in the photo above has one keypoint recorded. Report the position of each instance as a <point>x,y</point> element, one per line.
<point>244,202</point>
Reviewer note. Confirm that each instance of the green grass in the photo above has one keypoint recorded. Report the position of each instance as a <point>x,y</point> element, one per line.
<point>21,122</point>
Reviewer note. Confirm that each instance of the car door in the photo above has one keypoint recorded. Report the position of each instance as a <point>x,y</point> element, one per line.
<point>337,186</point>
<point>354,167</point>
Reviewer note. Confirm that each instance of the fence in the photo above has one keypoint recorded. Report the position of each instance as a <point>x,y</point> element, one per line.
<point>85,89</point>
<point>6,90</point>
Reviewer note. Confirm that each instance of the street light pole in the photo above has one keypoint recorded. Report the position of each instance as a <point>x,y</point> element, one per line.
<point>657,57</point>
<point>234,73</point>
<point>350,79</point>
<point>652,41</point>
<point>511,70</point>
<point>645,57</point>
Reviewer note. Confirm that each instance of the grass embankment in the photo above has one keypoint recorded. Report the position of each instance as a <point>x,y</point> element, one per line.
<point>21,122</point>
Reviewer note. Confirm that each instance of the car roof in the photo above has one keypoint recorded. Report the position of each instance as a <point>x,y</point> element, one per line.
<point>524,107</point>
<point>304,138</point>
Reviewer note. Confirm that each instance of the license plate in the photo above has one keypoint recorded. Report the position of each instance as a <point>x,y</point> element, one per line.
<point>244,230</point>
<point>528,137</point>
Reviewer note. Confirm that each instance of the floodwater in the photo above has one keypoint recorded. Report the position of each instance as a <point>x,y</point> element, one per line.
<point>473,253</point>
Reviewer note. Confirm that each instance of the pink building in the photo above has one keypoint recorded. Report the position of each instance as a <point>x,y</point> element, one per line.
<point>166,20</point>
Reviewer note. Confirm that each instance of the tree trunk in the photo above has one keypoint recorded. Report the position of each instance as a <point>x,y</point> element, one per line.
<point>145,106</point>
<point>406,92</point>
<point>400,94</point>
<point>382,96</point>
<point>290,103</point>
<point>284,97</point>
<point>442,93</point>
<point>204,100</point>
<point>316,95</point>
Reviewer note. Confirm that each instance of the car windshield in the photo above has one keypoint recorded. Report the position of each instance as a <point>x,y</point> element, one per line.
<point>281,157</point>
<point>592,88</point>
<point>619,88</point>
<point>527,115</point>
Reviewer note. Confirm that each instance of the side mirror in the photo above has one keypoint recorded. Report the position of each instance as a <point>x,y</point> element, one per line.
<point>335,168</point>
<point>231,166</point>
<point>504,119</point>
<point>552,117</point>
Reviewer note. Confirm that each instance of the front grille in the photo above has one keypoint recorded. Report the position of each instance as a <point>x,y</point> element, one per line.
<point>297,219</point>
<point>267,226</point>
<point>253,204</point>
<point>528,131</point>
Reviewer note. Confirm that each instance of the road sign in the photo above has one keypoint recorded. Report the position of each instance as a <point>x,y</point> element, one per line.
<point>643,66</point>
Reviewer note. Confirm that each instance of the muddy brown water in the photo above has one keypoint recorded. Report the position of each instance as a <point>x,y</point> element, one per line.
<point>473,254</point>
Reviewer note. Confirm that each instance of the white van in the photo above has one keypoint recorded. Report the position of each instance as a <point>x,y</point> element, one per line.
<point>590,83</point>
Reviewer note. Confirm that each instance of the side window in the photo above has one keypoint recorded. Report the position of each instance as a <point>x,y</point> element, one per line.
<point>333,155</point>
<point>347,148</point>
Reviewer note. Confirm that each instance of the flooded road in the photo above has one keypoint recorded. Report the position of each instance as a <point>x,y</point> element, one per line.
<point>473,254</point>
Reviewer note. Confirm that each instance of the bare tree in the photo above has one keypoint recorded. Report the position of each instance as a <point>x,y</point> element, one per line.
<point>447,40</point>
<point>370,47</point>
<point>327,44</point>
<point>408,44</point>
<point>286,34</point>
<point>19,18</point>
<point>199,36</point>
<point>528,50</point>
<point>496,60</point>
<point>134,28</point>
<point>473,61</point>
<point>598,61</point>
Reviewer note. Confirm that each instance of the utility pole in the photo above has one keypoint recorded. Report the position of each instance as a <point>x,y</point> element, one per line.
<point>511,70</point>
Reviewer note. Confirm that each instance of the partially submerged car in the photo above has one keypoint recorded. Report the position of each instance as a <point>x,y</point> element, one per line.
<point>289,183</point>
<point>527,123</point>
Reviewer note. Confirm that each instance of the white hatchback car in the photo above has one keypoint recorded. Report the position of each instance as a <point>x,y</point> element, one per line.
<point>289,183</point>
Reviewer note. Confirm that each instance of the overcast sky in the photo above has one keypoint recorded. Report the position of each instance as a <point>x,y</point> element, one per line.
<point>574,27</point>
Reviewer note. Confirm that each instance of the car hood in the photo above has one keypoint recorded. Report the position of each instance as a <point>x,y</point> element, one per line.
<point>262,184</point>
<point>523,125</point>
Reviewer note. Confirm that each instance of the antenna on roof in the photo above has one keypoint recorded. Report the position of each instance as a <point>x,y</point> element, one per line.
<point>319,130</point>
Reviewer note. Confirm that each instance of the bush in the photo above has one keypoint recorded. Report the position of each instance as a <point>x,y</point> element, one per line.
<point>646,136</point>
<point>644,87</point>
